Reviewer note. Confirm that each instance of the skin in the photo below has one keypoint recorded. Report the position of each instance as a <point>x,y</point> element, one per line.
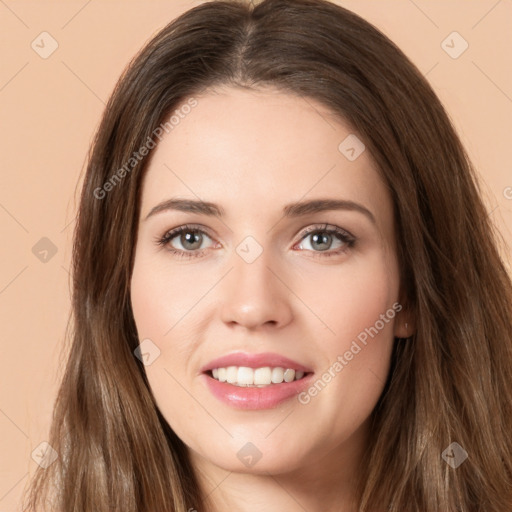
<point>252,153</point>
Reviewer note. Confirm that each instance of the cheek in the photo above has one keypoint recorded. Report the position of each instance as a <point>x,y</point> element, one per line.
<point>351,299</point>
<point>161,299</point>
<point>358,306</point>
<point>162,295</point>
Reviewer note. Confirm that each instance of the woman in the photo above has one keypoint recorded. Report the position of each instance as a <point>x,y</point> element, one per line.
<point>287,293</point>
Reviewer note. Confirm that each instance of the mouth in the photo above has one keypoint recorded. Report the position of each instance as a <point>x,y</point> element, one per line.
<point>255,381</point>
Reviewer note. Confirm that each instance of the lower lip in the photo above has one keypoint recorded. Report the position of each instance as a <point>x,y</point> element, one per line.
<point>255,398</point>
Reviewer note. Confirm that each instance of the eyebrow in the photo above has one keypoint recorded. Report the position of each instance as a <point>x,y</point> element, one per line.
<point>291,210</point>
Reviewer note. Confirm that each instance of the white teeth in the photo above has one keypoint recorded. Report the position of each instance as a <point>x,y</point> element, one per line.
<point>265,376</point>
<point>289,375</point>
<point>231,374</point>
<point>277,375</point>
<point>245,375</point>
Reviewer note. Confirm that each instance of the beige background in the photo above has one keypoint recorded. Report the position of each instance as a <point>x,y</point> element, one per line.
<point>51,107</point>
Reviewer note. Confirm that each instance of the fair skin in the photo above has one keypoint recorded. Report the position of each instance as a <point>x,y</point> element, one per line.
<point>252,153</point>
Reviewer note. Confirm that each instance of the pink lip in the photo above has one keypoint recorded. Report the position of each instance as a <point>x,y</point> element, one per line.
<point>255,398</point>
<point>268,397</point>
<point>255,361</point>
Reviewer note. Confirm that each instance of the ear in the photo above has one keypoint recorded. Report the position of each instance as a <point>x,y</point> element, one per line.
<point>405,321</point>
<point>405,326</point>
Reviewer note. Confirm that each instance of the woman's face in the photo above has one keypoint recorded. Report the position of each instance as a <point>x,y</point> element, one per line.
<point>284,284</point>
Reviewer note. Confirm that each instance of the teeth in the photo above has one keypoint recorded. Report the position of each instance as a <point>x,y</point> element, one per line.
<point>289,375</point>
<point>245,376</point>
<point>260,377</point>
<point>231,374</point>
<point>277,375</point>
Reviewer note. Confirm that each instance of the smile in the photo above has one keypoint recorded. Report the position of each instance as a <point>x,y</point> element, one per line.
<point>255,381</point>
<point>256,377</point>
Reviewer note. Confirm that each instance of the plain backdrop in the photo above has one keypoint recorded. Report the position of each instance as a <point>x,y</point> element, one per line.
<point>59,64</point>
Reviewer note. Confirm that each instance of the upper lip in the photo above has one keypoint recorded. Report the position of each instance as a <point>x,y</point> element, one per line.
<point>255,361</point>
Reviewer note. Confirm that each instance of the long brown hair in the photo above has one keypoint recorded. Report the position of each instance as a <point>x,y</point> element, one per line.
<point>451,382</point>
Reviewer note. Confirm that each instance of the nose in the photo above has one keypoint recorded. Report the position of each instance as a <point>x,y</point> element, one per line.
<point>254,295</point>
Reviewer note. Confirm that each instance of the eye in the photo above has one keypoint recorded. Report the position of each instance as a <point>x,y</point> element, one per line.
<point>190,241</point>
<point>190,238</point>
<point>322,239</point>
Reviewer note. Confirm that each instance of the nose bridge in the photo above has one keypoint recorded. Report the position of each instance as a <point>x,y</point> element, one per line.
<point>251,267</point>
<point>252,294</point>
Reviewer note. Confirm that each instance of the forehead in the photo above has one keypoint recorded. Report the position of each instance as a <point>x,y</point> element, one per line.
<point>261,149</point>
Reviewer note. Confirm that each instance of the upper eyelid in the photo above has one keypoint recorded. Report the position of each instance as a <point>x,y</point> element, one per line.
<point>326,227</point>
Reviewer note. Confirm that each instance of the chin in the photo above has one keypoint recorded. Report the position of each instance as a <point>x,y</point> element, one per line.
<point>257,457</point>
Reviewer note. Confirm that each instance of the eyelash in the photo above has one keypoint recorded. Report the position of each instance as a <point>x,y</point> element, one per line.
<point>341,234</point>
